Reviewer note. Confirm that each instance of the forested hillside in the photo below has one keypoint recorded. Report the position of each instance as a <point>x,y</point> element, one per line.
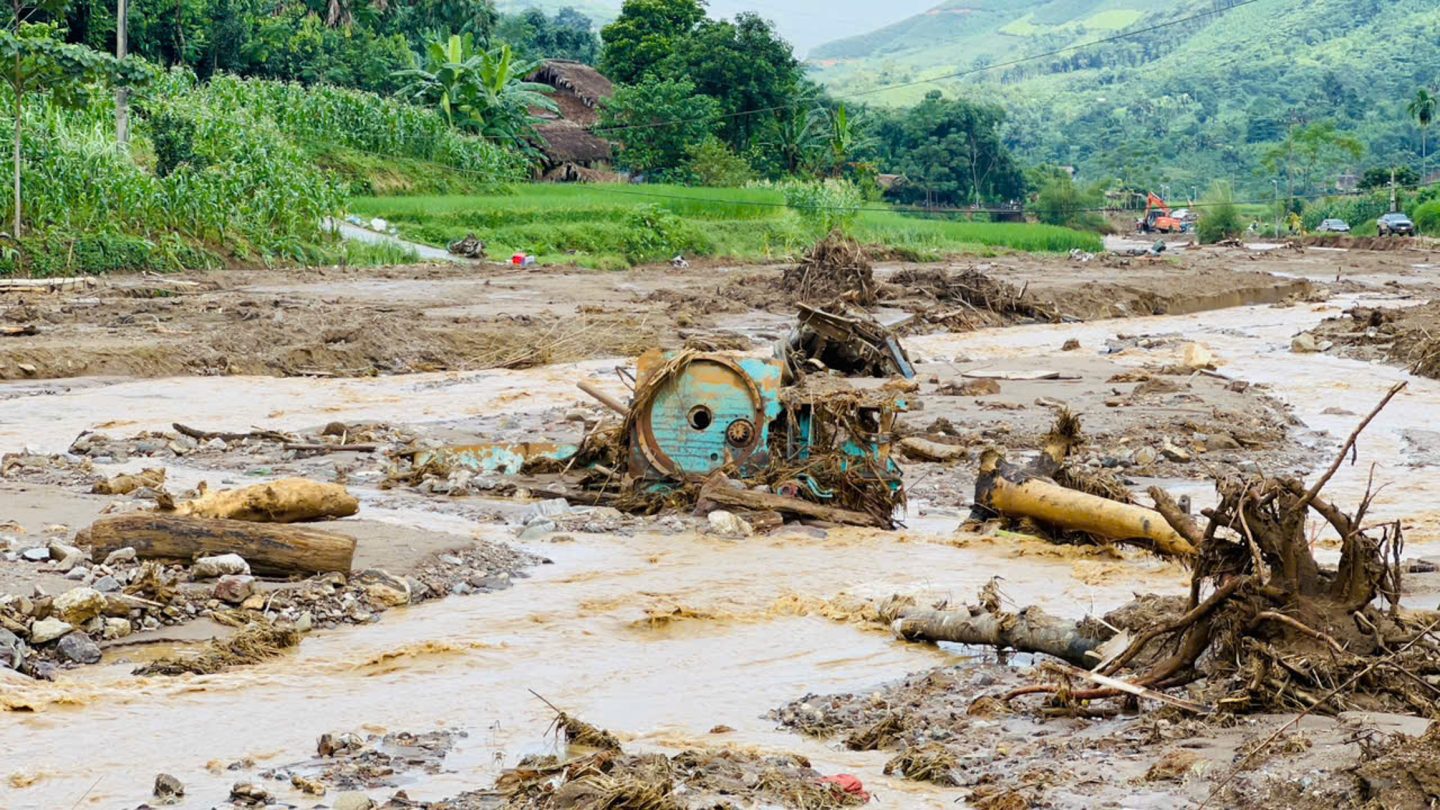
<point>1211,98</point>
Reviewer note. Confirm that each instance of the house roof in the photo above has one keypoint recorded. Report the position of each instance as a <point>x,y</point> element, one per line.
<point>567,141</point>
<point>579,89</point>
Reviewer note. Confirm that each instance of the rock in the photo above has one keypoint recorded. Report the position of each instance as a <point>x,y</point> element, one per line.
<point>973,388</point>
<point>78,573</point>
<point>1144,456</point>
<point>330,745</point>
<point>353,801</point>
<point>40,554</point>
<point>255,601</point>
<point>1176,454</point>
<point>249,793</point>
<point>728,524</point>
<point>1070,345</point>
<point>384,588</point>
<point>553,507</point>
<point>309,786</point>
<point>168,789</point>
<point>537,530</point>
<point>1221,441</point>
<point>219,566</point>
<point>1197,357</point>
<point>12,650</point>
<point>234,588</point>
<point>122,555</point>
<point>79,605</point>
<point>78,648</point>
<point>116,628</point>
<point>1304,343</point>
<point>106,584</point>
<point>306,622</point>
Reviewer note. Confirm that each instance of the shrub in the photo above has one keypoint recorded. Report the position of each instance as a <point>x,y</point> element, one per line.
<point>1220,218</point>
<point>652,233</point>
<point>1061,202</point>
<point>824,205</point>
<point>1427,218</point>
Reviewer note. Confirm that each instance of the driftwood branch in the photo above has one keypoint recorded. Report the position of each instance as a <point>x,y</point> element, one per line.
<point>1349,443</point>
<point>1031,630</point>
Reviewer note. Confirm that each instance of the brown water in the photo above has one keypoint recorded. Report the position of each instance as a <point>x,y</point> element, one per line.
<point>749,628</point>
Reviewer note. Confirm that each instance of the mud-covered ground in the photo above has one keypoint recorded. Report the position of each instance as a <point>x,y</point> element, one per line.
<point>737,671</point>
<point>358,322</point>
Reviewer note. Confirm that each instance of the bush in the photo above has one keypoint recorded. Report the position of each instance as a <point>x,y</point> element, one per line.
<point>712,163</point>
<point>1220,218</point>
<point>824,205</point>
<point>653,233</point>
<point>1427,218</point>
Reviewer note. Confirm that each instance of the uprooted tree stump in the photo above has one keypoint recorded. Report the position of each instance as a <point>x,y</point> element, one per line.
<point>1269,628</point>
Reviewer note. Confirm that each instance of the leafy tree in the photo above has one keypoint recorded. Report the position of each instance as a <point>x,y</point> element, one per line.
<point>567,35</point>
<point>1379,177</point>
<point>1308,150</point>
<point>745,65</point>
<point>483,91</point>
<point>644,35</point>
<point>1422,109</point>
<point>1061,202</point>
<point>950,152</point>
<point>713,163</point>
<point>34,60</point>
<point>656,123</point>
<point>844,139</point>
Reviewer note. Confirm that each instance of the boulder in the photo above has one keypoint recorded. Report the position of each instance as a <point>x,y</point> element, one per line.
<point>234,588</point>
<point>78,648</point>
<point>79,605</point>
<point>116,628</point>
<point>728,524</point>
<point>12,650</point>
<point>353,801</point>
<point>384,588</point>
<point>219,566</point>
<point>168,789</point>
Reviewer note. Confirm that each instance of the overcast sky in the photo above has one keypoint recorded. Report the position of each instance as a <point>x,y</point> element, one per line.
<point>807,23</point>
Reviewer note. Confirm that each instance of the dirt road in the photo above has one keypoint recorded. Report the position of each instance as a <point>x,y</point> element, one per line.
<point>668,635</point>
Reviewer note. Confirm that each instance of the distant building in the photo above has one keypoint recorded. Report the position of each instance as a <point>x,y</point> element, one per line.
<point>572,152</point>
<point>1348,181</point>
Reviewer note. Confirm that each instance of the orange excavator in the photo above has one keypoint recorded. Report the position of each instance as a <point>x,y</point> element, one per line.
<point>1157,217</point>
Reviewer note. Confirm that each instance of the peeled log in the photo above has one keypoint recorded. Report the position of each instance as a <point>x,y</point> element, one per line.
<point>1045,501</point>
<point>271,550</point>
<point>289,500</point>
<point>1031,630</point>
<point>921,449</point>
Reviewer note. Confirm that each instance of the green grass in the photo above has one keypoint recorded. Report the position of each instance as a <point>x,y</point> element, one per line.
<point>618,226</point>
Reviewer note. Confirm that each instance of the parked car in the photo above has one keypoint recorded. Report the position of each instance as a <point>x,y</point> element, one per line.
<point>1333,226</point>
<point>1395,225</point>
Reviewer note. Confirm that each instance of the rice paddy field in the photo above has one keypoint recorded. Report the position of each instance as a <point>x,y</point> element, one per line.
<point>619,226</point>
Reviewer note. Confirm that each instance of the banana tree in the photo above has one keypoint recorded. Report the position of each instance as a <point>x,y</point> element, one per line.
<point>482,91</point>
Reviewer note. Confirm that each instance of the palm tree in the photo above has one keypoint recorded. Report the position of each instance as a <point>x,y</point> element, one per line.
<point>1422,109</point>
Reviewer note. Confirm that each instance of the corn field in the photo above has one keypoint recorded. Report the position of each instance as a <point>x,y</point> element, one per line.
<point>216,171</point>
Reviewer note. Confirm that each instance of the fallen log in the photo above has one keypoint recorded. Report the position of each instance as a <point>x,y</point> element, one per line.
<point>1004,489</point>
<point>288,500</point>
<point>921,449</point>
<point>720,493</point>
<point>270,549</point>
<point>1031,630</point>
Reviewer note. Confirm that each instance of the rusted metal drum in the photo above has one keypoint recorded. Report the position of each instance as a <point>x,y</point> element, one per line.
<point>710,413</point>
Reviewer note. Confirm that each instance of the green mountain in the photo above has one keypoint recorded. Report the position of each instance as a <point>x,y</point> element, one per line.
<point>1184,104</point>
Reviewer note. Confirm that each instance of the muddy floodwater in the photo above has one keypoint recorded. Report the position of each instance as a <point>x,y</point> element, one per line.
<point>659,637</point>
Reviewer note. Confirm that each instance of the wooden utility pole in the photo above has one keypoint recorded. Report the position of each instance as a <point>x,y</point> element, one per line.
<point>1393,206</point>
<point>122,94</point>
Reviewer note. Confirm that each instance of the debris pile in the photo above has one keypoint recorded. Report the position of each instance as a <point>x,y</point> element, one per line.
<point>982,301</point>
<point>836,268</point>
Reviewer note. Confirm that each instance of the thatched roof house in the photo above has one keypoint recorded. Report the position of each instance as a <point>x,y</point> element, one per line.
<point>568,144</point>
